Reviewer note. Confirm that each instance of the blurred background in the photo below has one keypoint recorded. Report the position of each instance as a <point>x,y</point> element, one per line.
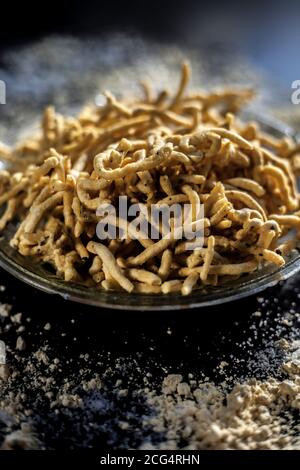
<point>267,32</point>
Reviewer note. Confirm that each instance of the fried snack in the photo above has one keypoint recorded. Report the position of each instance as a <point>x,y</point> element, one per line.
<point>170,149</point>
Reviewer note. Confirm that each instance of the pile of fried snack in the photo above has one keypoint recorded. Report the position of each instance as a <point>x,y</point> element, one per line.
<point>162,149</point>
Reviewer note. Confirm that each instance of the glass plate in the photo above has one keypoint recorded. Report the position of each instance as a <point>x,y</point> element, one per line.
<point>68,72</point>
<point>38,276</point>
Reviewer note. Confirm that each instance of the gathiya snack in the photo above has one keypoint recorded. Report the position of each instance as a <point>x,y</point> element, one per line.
<point>182,148</point>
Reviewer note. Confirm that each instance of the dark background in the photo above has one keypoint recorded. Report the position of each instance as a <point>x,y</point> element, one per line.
<point>267,31</point>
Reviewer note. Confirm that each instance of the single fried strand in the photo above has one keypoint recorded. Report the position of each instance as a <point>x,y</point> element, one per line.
<point>208,258</point>
<point>165,265</point>
<point>248,185</point>
<point>171,286</point>
<point>9,213</point>
<point>172,150</point>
